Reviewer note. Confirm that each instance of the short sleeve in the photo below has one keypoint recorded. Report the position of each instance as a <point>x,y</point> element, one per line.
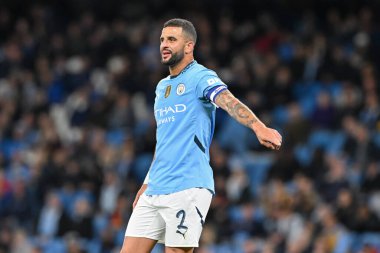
<point>209,86</point>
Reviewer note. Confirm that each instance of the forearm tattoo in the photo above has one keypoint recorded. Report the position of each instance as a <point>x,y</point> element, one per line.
<point>235,108</point>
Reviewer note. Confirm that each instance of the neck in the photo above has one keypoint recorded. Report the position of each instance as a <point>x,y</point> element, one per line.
<point>176,69</point>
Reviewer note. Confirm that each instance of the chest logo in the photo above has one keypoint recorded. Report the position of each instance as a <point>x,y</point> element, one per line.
<point>180,89</point>
<point>167,91</point>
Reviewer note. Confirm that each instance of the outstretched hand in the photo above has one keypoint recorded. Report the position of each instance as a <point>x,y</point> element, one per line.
<point>268,137</point>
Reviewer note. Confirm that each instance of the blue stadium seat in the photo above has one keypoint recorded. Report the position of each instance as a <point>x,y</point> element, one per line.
<point>303,154</point>
<point>319,139</point>
<point>280,115</point>
<point>360,240</point>
<point>330,141</point>
<point>55,246</point>
<point>257,167</point>
<point>233,136</point>
<point>343,243</point>
<point>100,223</point>
<point>93,246</point>
<point>115,137</point>
<point>376,138</point>
<point>159,248</point>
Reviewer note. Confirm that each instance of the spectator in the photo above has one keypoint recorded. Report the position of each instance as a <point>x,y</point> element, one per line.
<point>109,192</point>
<point>48,223</point>
<point>324,113</point>
<point>334,179</point>
<point>80,221</point>
<point>346,208</point>
<point>365,220</point>
<point>371,180</point>
<point>305,197</point>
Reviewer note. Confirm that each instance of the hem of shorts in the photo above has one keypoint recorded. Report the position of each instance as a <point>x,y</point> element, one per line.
<point>182,246</point>
<point>141,236</point>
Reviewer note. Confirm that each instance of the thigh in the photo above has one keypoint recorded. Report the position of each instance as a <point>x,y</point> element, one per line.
<point>145,221</point>
<point>178,250</point>
<point>137,245</point>
<point>184,214</point>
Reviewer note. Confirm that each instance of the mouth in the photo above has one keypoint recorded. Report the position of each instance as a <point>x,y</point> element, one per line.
<point>166,54</point>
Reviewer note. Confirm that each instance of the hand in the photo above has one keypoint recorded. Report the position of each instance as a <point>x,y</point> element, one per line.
<point>268,137</point>
<point>141,191</point>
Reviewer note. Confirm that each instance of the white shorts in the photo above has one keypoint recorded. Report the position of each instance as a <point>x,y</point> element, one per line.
<point>173,219</point>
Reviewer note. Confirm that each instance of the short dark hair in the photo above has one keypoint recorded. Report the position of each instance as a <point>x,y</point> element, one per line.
<point>186,25</point>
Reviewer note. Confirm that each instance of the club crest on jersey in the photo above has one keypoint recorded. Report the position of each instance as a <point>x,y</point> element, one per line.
<point>180,89</point>
<point>167,91</point>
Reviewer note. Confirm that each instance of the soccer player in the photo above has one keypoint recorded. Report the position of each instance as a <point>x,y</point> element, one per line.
<point>173,201</point>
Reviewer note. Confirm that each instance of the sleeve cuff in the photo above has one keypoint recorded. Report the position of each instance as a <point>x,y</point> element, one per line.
<point>212,93</point>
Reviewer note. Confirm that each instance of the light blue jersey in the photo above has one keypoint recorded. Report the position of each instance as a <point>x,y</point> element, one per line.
<point>185,117</point>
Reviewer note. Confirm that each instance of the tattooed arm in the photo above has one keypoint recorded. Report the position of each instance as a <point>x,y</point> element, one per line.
<point>239,111</point>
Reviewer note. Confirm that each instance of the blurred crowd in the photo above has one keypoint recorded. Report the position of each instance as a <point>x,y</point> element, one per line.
<point>77,131</point>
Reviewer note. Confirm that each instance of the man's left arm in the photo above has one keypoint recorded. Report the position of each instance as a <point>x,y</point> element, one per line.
<point>268,137</point>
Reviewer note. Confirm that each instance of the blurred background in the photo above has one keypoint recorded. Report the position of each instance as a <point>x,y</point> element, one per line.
<point>77,132</point>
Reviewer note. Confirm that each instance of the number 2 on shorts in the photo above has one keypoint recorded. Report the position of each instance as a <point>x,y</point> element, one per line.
<point>181,229</point>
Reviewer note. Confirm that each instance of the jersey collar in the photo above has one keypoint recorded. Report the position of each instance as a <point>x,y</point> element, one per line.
<point>185,68</point>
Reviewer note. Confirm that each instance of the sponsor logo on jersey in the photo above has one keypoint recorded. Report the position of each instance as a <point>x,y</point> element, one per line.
<point>170,110</point>
<point>167,91</point>
<point>167,114</point>
<point>180,89</point>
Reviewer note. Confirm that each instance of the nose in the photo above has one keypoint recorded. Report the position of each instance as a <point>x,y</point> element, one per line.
<point>164,44</point>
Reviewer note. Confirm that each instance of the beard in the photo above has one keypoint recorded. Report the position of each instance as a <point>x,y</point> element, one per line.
<point>174,59</point>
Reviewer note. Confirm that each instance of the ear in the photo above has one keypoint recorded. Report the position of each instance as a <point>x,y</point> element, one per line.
<point>189,47</point>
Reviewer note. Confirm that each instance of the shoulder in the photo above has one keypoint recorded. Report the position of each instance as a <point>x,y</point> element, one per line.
<point>203,73</point>
<point>202,70</point>
<point>163,80</point>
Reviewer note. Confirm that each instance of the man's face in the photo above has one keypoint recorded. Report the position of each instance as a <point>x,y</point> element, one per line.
<point>172,46</point>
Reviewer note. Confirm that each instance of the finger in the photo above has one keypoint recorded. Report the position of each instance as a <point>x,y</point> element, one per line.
<point>269,144</point>
<point>265,144</point>
<point>274,146</point>
<point>278,144</point>
<point>278,135</point>
<point>275,141</point>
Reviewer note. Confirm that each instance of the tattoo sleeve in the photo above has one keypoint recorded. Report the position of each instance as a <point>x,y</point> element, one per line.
<point>239,111</point>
